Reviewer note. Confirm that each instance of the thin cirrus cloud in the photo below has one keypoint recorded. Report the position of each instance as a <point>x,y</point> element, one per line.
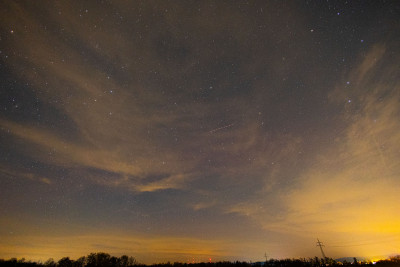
<point>98,107</point>
<point>357,187</point>
<point>26,175</point>
<point>229,123</point>
<point>119,127</point>
<point>65,154</point>
<point>352,188</point>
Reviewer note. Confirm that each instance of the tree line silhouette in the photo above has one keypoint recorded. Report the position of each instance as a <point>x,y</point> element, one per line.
<point>102,259</point>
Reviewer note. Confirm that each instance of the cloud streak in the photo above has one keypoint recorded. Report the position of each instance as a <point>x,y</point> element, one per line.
<point>259,122</point>
<point>351,190</point>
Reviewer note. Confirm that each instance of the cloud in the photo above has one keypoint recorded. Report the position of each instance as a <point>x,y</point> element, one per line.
<point>136,102</point>
<point>126,117</point>
<point>67,154</point>
<point>354,183</point>
<point>26,175</point>
<point>170,182</point>
<point>351,188</point>
<point>204,205</point>
<point>368,63</point>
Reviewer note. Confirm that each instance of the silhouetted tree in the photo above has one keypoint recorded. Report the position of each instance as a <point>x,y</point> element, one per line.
<point>65,262</point>
<point>125,261</point>
<point>98,259</point>
<point>50,263</point>
<point>81,262</point>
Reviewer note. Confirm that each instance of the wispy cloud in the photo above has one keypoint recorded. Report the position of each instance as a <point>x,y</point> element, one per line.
<point>354,180</point>
<point>215,106</point>
<point>123,124</point>
<point>352,186</point>
<point>16,174</point>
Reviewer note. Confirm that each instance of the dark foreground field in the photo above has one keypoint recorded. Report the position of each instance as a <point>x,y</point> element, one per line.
<point>106,260</point>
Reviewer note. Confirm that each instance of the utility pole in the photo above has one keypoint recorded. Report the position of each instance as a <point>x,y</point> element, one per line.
<point>266,257</point>
<point>320,245</point>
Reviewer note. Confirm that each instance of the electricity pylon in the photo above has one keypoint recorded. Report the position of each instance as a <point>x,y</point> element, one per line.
<point>320,245</point>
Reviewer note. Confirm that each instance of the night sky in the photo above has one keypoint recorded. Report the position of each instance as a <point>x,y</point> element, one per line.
<point>190,130</point>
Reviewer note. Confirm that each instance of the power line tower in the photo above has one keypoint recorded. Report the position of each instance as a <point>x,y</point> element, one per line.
<point>266,264</point>
<point>320,245</point>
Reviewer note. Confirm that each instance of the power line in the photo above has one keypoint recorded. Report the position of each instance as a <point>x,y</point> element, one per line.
<point>369,242</point>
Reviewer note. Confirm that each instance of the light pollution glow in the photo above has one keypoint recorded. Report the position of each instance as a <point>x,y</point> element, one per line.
<point>178,131</point>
